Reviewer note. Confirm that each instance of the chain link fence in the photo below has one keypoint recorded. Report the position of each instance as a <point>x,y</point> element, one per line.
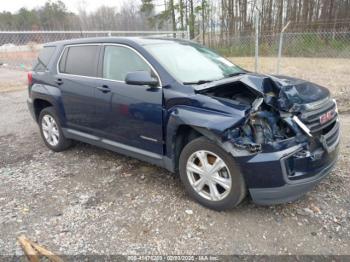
<point>307,44</point>
<point>320,57</point>
<point>322,44</point>
<point>19,49</point>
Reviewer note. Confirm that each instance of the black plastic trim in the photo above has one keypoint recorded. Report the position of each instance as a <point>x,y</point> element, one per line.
<point>116,147</point>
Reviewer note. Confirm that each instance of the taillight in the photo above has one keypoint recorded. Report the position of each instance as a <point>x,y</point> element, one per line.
<point>30,78</point>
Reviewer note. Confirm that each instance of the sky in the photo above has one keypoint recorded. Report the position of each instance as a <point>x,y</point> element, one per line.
<point>72,5</point>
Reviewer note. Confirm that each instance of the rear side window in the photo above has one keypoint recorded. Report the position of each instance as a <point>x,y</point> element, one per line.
<point>44,58</point>
<point>79,60</point>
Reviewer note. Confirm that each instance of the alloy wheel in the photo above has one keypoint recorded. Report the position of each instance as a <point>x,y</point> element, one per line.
<point>50,130</point>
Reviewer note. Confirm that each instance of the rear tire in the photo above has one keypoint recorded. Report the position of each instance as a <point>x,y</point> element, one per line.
<point>51,131</point>
<point>216,184</point>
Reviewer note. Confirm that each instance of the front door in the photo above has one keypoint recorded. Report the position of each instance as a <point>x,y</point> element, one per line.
<point>128,114</point>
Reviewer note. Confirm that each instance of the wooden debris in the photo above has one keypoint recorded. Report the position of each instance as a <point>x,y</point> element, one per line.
<point>30,248</point>
<point>43,251</point>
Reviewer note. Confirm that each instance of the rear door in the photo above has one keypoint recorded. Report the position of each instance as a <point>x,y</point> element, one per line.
<point>76,78</point>
<point>128,114</point>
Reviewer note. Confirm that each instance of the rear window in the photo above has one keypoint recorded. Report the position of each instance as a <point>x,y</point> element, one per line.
<point>79,60</point>
<point>44,58</point>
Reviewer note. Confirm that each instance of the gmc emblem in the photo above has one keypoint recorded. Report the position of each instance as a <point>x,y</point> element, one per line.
<point>327,116</point>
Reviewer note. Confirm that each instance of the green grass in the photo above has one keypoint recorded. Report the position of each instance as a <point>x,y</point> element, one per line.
<point>294,46</point>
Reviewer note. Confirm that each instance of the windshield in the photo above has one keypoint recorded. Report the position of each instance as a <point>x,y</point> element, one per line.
<point>191,63</point>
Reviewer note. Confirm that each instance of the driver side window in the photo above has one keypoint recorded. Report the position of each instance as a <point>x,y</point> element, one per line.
<point>119,61</point>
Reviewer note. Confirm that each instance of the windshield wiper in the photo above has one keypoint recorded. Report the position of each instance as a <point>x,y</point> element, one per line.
<point>199,82</point>
<point>235,74</point>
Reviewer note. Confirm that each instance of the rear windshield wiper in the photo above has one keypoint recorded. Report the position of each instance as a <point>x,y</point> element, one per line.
<point>199,82</point>
<point>42,63</point>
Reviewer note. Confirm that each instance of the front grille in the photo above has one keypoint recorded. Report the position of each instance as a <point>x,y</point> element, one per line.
<point>320,155</point>
<point>331,138</point>
<point>326,133</point>
<point>312,118</point>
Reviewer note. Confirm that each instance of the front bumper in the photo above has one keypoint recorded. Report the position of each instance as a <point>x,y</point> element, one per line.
<point>284,175</point>
<point>290,191</point>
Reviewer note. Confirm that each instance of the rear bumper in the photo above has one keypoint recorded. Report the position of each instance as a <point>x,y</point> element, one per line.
<point>31,108</point>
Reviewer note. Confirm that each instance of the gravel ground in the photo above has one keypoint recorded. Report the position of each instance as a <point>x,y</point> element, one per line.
<point>91,201</point>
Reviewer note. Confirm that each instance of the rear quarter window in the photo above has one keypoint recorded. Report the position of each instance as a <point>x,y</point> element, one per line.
<point>44,58</point>
<point>79,60</point>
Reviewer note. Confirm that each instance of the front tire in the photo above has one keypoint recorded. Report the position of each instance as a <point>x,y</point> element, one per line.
<point>210,175</point>
<point>51,130</point>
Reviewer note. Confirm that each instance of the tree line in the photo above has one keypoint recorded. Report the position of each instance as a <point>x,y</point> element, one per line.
<point>201,17</point>
<point>54,15</point>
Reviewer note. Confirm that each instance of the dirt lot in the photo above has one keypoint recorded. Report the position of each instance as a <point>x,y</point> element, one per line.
<point>91,201</point>
<point>12,80</point>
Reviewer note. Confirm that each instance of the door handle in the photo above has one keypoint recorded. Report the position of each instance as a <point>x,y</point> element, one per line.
<point>104,89</point>
<point>59,81</point>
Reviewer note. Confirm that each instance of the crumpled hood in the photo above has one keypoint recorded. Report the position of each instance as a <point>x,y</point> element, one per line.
<point>291,94</point>
<point>298,91</point>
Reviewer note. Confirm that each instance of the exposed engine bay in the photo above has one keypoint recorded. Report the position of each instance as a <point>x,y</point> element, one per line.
<point>275,107</point>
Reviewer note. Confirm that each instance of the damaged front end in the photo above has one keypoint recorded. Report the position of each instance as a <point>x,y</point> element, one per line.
<point>264,127</point>
<point>292,125</point>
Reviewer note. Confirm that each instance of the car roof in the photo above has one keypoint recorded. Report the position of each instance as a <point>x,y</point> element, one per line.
<point>122,40</point>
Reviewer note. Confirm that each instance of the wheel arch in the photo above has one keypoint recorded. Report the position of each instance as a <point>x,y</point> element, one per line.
<point>186,123</point>
<point>39,104</point>
<point>44,96</point>
<point>184,134</point>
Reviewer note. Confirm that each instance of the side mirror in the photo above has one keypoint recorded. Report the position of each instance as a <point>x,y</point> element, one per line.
<point>141,78</point>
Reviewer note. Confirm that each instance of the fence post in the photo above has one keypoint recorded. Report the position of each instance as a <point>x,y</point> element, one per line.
<point>188,32</point>
<point>256,41</point>
<point>280,48</point>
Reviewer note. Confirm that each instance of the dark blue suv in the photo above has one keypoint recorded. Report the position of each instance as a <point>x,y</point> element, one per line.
<point>173,103</point>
